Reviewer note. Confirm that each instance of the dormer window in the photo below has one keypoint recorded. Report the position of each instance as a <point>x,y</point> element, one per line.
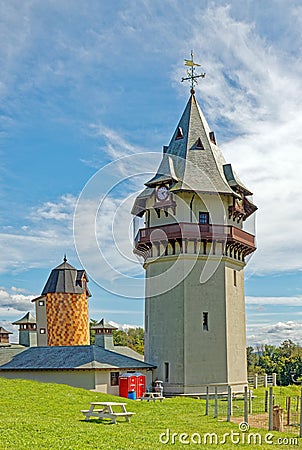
<point>212,137</point>
<point>198,145</point>
<point>179,134</point>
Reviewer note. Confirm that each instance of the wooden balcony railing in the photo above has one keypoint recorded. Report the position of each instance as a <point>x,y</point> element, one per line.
<point>194,231</point>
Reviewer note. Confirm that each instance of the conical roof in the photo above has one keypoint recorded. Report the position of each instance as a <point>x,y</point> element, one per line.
<point>66,279</point>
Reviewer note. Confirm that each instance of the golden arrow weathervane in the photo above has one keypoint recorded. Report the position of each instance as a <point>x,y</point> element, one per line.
<point>192,76</point>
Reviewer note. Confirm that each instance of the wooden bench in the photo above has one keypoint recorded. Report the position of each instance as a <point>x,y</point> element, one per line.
<point>152,396</point>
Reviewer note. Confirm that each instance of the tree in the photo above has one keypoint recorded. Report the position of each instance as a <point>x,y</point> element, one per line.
<point>284,360</point>
<point>133,337</point>
<point>92,332</point>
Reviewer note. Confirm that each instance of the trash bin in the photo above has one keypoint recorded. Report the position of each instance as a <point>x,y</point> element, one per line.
<point>132,395</point>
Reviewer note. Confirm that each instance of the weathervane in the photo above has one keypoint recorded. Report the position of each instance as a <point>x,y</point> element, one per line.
<point>192,76</point>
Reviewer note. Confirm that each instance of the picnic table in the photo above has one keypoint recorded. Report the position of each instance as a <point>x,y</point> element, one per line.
<point>107,410</point>
<point>152,396</point>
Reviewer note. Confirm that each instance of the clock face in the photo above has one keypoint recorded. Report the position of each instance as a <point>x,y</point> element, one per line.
<point>162,193</point>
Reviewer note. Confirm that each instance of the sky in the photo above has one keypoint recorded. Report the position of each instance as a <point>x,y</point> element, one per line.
<point>89,94</point>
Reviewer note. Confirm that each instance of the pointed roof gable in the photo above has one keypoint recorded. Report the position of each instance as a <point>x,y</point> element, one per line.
<point>102,324</point>
<point>4,331</point>
<point>66,279</point>
<point>193,162</point>
<point>28,318</point>
<point>194,159</point>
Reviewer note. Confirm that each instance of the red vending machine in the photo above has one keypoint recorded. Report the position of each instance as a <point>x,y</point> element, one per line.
<point>132,385</point>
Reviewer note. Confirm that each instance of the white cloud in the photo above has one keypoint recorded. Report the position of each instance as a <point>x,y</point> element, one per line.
<point>46,236</point>
<point>274,333</point>
<point>16,289</point>
<point>276,301</point>
<point>116,146</point>
<point>124,326</point>
<point>287,327</point>
<point>59,211</point>
<point>9,300</point>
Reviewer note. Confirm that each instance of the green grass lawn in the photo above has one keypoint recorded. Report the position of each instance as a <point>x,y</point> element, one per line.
<point>47,416</point>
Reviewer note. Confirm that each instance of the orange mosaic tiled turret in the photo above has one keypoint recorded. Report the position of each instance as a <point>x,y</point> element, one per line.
<point>65,303</point>
<point>67,319</point>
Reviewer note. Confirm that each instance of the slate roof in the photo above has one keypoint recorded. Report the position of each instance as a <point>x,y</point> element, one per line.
<point>65,279</point>
<point>7,353</point>
<point>72,357</point>
<point>196,169</point>
<point>192,161</point>
<point>127,351</point>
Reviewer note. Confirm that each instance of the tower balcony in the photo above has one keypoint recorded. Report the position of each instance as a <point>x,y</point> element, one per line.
<point>175,238</point>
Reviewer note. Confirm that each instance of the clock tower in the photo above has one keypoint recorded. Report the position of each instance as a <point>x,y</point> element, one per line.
<point>194,248</point>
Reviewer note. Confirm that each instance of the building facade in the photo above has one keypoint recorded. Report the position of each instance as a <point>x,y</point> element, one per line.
<point>194,249</point>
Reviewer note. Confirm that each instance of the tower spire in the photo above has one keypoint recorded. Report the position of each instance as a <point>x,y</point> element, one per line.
<point>192,75</point>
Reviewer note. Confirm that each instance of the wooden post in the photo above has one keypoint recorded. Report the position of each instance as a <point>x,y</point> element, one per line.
<point>230,408</point>
<point>270,412</point>
<point>255,380</point>
<point>246,412</point>
<point>207,400</point>
<point>250,401</point>
<point>288,410</point>
<point>265,380</point>
<point>266,402</point>
<point>274,379</point>
<point>216,402</point>
<point>301,414</point>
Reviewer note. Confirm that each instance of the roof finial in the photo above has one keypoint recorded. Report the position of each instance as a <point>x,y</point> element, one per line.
<point>65,259</point>
<point>191,72</point>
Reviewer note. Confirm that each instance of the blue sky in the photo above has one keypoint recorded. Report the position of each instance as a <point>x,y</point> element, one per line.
<point>85,83</point>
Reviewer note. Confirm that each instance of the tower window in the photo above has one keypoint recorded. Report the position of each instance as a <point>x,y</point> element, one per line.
<point>198,145</point>
<point>204,218</point>
<point>42,331</point>
<point>166,372</point>
<point>212,137</point>
<point>205,321</point>
<point>41,303</point>
<point>235,277</point>
<point>179,134</point>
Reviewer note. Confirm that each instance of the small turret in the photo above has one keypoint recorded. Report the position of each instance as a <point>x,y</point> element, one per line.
<point>103,334</point>
<point>27,330</point>
<point>63,307</point>
<point>4,337</point>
